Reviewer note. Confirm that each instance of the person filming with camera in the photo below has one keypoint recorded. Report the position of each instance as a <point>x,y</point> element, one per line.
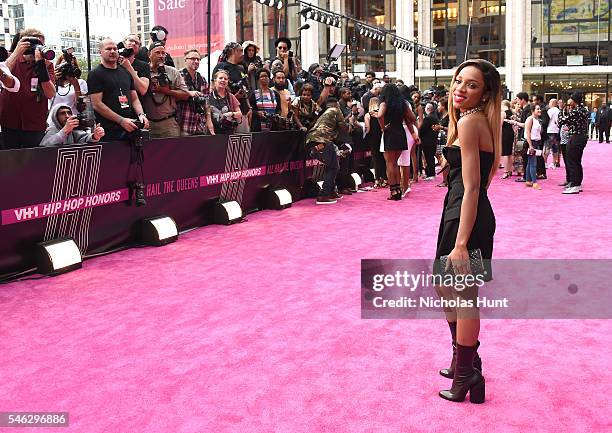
<point>139,71</point>
<point>66,128</point>
<point>113,95</point>
<point>69,86</point>
<point>24,114</point>
<point>231,61</point>
<point>194,115</point>
<point>167,86</point>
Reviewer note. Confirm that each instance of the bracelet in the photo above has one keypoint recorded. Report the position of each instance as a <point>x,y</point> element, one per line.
<point>141,114</point>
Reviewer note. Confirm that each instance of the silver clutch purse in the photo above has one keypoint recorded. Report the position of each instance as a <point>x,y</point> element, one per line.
<point>476,264</point>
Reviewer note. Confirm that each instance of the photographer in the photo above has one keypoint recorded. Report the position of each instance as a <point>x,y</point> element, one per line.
<point>165,89</point>
<point>114,96</point>
<point>158,34</point>
<point>64,129</point>
<point>349,138</point>
<point>68,85</point>
<point>305,109</point>
<point>193,115</point>
<point>265,102</point>
<point>231,61</point>
<point>314,79</point>
<point>251,62</point>
<point>374,92</point>
<point>320,141</point>
<point>285,60</point>
<point>329,91</point>
<point>139,71</point>
<point>24,114</point>
<point>225,108</point>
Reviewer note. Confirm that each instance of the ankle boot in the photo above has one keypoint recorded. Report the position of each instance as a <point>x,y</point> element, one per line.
<point>467,378</point>
<point>449,372</point>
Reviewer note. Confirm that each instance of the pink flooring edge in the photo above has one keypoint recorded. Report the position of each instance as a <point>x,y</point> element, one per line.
<point>256,327</point>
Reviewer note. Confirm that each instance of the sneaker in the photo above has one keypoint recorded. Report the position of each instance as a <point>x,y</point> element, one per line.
<point>580,188</point>
<point>520,179</point>
<point>335,196</point>
<point>571,190</point>
<point>325,200</point>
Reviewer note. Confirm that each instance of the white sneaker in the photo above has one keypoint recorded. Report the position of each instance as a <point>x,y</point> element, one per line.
<point>571,190</point>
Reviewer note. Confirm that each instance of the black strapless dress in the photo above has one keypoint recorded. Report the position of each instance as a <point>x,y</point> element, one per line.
<point>484,226</point>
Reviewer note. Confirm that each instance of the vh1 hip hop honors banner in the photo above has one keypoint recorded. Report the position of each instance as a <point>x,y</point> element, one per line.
<point>186,21</point>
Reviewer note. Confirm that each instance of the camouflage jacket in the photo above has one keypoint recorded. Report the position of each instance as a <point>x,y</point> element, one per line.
<point>325,130</point>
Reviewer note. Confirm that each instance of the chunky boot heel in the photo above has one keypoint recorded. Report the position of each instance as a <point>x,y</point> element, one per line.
<point>477,392</point>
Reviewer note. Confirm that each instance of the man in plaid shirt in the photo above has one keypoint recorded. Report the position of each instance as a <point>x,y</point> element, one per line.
<point>194,115</point>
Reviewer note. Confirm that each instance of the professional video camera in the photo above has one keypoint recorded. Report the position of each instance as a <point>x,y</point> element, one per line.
<point>124,51</point>
<point>330,68</point>
<point>67,68</point>
<point>36,44</point>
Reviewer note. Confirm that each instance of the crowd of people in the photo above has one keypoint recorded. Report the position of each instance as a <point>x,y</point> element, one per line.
<point>138,87</point>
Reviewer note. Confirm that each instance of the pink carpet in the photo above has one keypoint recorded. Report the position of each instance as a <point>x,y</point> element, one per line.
<point>256,327</point>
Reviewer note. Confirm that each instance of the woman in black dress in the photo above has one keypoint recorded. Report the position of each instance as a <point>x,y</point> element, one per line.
<point>392,114</point>
<point>507,140</point>
<point>468,223</point>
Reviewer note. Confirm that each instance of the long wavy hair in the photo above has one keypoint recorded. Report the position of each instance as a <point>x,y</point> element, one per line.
<point>396,106</point>
<point>492,107</point>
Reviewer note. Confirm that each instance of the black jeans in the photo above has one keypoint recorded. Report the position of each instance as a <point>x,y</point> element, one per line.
<point>575,149</point>
<point>563,150</point>
<point>328,157</point>
<point>18,139</point>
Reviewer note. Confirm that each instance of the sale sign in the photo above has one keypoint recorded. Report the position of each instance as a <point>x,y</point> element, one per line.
<point>187,24</point>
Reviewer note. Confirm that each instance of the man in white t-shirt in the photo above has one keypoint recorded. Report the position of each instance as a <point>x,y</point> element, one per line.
<point>552,144</point>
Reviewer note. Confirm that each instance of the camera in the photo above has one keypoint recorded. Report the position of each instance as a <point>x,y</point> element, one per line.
<point>199,104</point>
<point>162,78</point>
<point>67,68</point>
<point>85,121</point>
<point>237,86</point>
<point>124,51</point>
<point>35,44</point>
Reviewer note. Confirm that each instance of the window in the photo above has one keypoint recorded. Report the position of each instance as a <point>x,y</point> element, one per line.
<point>569,32</point>
<point>486,39</point>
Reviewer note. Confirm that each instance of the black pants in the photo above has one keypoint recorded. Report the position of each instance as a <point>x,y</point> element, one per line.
<point>17,139</point>
<point>575,149</point>
<point>429,150</point>
<point>604,131</point>
<point>328,157</point>
<point>563,150</point>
